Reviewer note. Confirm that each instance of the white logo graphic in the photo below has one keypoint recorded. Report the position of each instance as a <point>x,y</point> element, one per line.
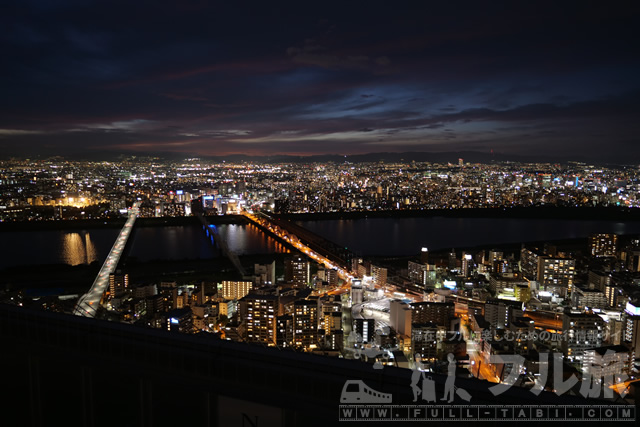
<point>356,391</point>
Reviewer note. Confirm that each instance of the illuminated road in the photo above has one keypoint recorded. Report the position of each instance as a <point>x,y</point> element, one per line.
<point>478,365</point>
<point>88,303</point>
<point>546,319</point>
<point>292,240</point>
<point>623,387</point>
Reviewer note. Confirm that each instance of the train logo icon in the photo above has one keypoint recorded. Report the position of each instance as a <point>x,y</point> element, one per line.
<point>356,391</point>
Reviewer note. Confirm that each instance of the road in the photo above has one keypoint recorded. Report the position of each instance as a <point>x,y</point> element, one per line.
<point>478,365</point>
<point>88,303</point>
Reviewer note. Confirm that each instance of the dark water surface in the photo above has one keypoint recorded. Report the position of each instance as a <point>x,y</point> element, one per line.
<point>406,236</point>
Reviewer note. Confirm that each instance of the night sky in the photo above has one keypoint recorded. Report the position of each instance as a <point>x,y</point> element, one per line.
<point>86,78</point>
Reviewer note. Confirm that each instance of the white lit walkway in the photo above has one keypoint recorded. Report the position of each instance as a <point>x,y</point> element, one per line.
<point>88,303</point>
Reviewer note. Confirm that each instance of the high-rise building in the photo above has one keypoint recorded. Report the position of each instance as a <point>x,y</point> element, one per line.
<point>583,332</point>
<point>331,276</point>
<point>365,328</point>
<point>118,283</point>
<point>180,320</point>
<point>529,262</point>
<point>603,245</point>
<point>355,264</point>
<point>522,331</point>
<point>329,309</point>
<point>467,264</point>
<point>357,292</point>
<point>297,270</point>
<point>522,292</point>
<point>416,272</point>
<point>632,257</point>
<point>169,292</point>
<point>606,362</point>
<point>400,317</point>
<point>305,319</point>
<point>424,340</point>
<point>599,280</point>
<point>334,340</point>
<point>453,261</point>
<point>333,322</point>
<point>260,313</point>
<point>265,273</point>
<point>379,276</point>
<point>499,313</point>
<point>235,289</point>
<point>496,261</point>
<point>439,313</point>
<point>284,331</point>
<point>614,295</point>
<point>424,256</point>
<point>588,298</point>
<point>555,272</point>
<point>632,328</point>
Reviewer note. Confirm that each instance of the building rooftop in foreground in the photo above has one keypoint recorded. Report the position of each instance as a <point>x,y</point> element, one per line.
<point>68,370</point>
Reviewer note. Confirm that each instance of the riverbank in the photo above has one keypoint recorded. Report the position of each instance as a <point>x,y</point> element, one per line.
<point>85,224</point>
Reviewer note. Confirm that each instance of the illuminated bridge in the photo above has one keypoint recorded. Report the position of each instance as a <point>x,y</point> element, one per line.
<point>337,254</point>
<point>88,303</point>
<point>311,250</point>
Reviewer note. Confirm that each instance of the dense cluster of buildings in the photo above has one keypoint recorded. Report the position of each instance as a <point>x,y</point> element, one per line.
<point>580,304</point>
<point>59,189</point>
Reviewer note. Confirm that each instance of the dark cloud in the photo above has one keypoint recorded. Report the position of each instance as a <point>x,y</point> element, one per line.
<point>188,77</point>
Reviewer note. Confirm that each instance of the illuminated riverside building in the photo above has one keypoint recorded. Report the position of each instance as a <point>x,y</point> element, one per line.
<point>603,245</point>
<point>118,283</point>
<point>305,323</point>
<point>297,270</point>
<point>259,313</point>
<point>235,289</point>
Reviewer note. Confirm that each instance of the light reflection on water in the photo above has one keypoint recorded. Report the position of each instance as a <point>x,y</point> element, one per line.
<point>78,248</point>
<point>248,239</point>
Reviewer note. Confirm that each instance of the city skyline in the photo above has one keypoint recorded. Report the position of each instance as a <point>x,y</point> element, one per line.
<point>193,79</point>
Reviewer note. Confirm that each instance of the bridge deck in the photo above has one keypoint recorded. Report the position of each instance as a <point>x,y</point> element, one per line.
<point>88,304</point>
